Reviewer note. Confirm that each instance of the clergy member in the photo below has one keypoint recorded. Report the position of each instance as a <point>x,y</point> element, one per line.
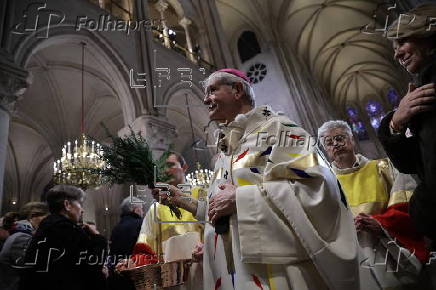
<point>274,216</point>
<point>154,234</point>
<point>378,197</point>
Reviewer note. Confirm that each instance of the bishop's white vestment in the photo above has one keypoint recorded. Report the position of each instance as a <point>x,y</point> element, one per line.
<point>291,231</point>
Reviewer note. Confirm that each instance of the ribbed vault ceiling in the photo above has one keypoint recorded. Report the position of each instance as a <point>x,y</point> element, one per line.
<point>351,65</point>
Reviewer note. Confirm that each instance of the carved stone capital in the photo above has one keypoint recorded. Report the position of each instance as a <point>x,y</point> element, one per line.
<point>161,6</point>
<point>185,22</point>
<point>13,82</point>
<point>157,131</point>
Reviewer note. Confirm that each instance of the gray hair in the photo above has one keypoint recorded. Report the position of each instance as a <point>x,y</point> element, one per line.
<point>228,78</point>
<point>33,209</point>
<point>129,204</point>
<point>57,194</point>
<point>334,124</point>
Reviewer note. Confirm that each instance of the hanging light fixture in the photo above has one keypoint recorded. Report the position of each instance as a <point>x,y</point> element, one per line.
<point>81,160</point>
<point>199,177</point>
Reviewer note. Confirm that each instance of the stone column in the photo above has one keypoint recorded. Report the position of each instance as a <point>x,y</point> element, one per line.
<point>4,132</point>
<point>12,85</point>
<point>214,41</point>
<point>157,131</point>
<point>145,45</point>
<point>161,6</point>
<point>185,23</point>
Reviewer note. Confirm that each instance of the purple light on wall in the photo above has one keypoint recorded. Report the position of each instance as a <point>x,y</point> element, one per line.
<point>352,113</point>
<point>373,108</point>
<point>375,122</point>
<point>393,97</point>
<point>375,113</point>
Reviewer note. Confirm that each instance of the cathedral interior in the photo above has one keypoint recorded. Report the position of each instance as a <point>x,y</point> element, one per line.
<point>143,66</point>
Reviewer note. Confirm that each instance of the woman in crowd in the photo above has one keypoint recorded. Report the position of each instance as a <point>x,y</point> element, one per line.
<point>6,224</point>
<point>12,254</point>
<point>408,134</point>
<point>64,254</point>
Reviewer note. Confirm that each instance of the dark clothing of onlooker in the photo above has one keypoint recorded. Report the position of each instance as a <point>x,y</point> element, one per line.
<point>12,255</point>
<point>4,234</point>
<point>123,239</point>
<point>125,234</point>
<point>8,222</point>
<point>62,255</point>
<point>417,155</point>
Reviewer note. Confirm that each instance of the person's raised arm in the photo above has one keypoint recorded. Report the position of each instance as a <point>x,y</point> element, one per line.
<point>175,197</point>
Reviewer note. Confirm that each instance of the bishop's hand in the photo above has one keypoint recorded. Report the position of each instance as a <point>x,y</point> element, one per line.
<point>223,203</point>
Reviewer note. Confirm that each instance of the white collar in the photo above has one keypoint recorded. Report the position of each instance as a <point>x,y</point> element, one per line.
<point>360,162</point>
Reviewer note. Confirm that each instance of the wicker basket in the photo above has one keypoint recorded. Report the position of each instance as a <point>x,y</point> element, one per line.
<point>159,276</point>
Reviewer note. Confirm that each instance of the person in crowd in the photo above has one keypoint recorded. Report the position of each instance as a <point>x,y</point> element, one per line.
<point>378,197</point>
<point>7,223</point>
<point>408,134</point>
<point>9,220</point>
<point>64,254</point>
<point>4,234</point>
<point>123,238</point>
<point>270,206</point>
<point>126,232</point>
<point>12,254</point>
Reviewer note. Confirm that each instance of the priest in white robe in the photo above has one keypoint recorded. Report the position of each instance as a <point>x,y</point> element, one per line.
<point>274,218</point>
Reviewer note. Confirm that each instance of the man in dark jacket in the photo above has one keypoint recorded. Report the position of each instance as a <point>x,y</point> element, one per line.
<point>123,239</point>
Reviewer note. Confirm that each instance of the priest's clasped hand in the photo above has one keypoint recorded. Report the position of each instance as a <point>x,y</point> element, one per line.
<point>197,253</point>
<point>364,222</point>
<point>164,196</point>
<point>222,203</point>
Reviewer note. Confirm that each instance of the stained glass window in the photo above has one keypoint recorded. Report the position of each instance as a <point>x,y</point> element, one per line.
<point>257,73</point>
<point>393,98</point>
<point>375,113</point>
<point>356,123</point>
<point>248,46</point>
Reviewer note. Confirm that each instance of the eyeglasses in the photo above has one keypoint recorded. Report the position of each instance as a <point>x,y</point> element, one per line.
<point>338,139</point>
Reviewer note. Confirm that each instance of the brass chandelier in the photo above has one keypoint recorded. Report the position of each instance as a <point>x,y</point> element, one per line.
<point>81,160</point>
<point>199,177</point>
